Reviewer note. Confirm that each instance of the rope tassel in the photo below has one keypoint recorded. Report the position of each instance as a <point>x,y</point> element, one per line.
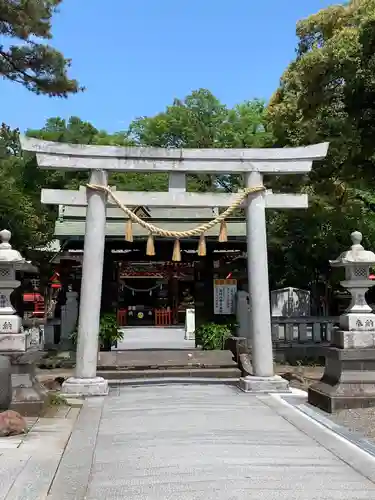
<point>202,251</point>
<point>176,257</point>
<point>129,231</point>
<point>223,234</point>
<point>150,247</point>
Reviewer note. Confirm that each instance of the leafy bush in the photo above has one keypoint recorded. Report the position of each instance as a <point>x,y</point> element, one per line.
<point>212,336</point>
<point>109,332</point>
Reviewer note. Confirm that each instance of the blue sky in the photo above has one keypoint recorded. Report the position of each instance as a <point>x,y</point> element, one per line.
<point>135,57</point>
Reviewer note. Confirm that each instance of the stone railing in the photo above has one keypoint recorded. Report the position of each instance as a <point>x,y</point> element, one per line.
<point>293,338</point>
<point>303,330</point>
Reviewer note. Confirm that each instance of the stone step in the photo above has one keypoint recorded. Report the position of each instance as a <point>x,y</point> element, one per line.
<point>173,380</point>
<point>171,373</point>
<point>165,359</point>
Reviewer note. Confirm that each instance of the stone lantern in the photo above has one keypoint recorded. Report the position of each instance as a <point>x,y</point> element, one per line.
<point>357,324</point>
<point>349,376</point>
<point>11,336</point>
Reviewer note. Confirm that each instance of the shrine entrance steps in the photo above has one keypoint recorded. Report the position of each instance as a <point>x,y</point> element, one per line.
<point>148,366</point>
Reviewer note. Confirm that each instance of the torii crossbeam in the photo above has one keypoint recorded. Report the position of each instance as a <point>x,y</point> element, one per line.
<point>99,160</point>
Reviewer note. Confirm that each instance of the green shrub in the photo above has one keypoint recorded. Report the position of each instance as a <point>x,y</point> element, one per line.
<point>109,332</point>
<point>212,336</point>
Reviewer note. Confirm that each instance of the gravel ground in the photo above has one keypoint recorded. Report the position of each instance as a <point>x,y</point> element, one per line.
<point>361,420</point>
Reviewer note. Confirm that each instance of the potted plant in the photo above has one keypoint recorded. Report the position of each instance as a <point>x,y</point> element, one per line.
<point>109,333</point>
<point>212,336</point>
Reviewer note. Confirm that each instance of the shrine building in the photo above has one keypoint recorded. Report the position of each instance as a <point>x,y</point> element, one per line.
<point>154,290</point>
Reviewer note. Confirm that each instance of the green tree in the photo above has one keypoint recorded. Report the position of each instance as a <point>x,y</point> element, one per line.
<point>77,131</point>
<point>200,120</point>
<point>37,66</point>
<point>327,94</point>
<point>20,209</point>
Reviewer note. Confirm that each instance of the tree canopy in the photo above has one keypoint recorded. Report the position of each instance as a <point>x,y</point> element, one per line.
<point>200,120</point>
<point>31,223</point>
<point>37,66</point>
<point>327,94</point>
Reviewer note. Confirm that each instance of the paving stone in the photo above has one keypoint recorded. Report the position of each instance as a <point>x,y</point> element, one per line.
<point>120,493</point>
<point>72,478</point>
<point>11,441</point>
<point>10,467</point>
<point>189,443</point>
<point>211,443</point>
<point>37,475</point>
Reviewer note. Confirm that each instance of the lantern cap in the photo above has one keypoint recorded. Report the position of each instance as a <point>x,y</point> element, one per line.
<point>7,254</point>
<point>356,255</point>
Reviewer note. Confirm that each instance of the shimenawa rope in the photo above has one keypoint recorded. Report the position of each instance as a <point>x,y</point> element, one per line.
<point>197,231</point>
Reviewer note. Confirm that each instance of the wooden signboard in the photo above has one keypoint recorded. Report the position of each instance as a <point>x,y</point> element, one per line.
<point>224,295</point>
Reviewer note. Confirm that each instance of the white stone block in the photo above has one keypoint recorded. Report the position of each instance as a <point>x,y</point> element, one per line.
<point>358,322</point>
<point>14,342</point>
<point>190,324</point>
<point>353,339</point>
<point>10,323</point>
<point>254,384</point>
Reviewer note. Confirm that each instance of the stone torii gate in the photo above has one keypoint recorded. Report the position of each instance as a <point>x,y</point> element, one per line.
<point>99,160</point>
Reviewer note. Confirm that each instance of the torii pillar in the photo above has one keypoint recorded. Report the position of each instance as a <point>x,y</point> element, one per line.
<point>85,380</point>
<point>252,163</point>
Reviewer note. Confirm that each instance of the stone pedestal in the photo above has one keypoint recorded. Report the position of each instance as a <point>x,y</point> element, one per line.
<point>354,339</point>
<point>81,387</point>
<point>15,342</point>
<point>28,395</point>
<point>255,384</point>
<point>348,380</point>
<point>5,383</point>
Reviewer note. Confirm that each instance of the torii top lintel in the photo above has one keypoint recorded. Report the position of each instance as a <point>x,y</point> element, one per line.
<point>55,155</point>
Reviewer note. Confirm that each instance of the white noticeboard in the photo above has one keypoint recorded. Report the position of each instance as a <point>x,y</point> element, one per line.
<point>224,296</point>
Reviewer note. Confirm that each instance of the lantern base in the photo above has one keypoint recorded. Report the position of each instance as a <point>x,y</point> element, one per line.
<point>355,339</point>
<point>362,321</point>
<point>14,342</point>
<point>348,380</point>
<point>10,324</point>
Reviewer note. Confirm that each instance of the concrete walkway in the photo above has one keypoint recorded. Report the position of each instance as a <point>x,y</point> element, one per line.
<point>188,442</point>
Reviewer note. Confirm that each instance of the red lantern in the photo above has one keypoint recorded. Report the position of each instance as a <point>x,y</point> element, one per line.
<point>55,281</point>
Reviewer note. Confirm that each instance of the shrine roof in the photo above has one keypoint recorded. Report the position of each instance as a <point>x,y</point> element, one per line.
<point>156,213</point>
<point>69,228</point>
